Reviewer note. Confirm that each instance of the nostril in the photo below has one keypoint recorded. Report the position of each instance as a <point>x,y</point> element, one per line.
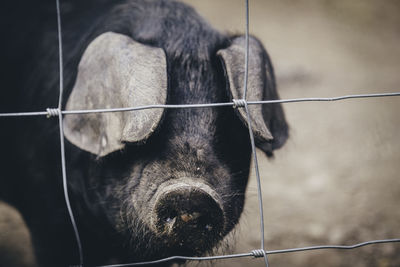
<point>169,219</point>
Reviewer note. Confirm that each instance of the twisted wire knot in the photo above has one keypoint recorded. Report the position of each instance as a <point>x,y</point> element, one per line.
<point>237,103</point>
<point>258,253</point>
<point>52,112</point>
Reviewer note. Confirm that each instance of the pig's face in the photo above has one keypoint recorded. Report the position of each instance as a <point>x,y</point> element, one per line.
<point>182,191</point>
<point>172,178</point>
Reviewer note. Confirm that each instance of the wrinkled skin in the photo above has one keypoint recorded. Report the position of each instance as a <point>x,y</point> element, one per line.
<point>112,197</point>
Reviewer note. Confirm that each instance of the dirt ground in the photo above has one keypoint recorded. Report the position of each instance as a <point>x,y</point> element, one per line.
<point>337,179</point>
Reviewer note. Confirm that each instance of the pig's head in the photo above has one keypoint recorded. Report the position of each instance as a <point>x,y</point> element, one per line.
<point>170,181</point>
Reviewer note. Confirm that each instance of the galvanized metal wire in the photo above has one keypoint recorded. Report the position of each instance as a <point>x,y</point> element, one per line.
<point>50,111</point>
<point>252,142</point>
<point>259,253</point>
<point>236,103</point>
<point>62,146</point>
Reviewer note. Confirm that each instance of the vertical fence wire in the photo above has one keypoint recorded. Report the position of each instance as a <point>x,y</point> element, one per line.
<point>62,146</point>
<point>253,147</point>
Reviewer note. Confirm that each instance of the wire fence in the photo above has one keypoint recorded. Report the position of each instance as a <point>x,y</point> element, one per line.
<point>235,103</point>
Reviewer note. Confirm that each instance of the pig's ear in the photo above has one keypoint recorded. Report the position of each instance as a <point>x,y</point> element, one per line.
<point>115,72</point>
<point>268,120</point>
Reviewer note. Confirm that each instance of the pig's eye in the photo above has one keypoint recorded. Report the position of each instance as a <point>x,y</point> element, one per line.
<point>116,71</point>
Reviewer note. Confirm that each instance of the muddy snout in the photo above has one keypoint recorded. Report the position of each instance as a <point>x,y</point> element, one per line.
<point>189,215</point>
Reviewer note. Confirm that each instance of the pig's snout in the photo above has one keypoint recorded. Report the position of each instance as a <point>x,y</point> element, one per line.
<point>188,215</point>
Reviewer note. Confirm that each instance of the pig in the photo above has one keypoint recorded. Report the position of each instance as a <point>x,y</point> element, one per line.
<point>144,184</point>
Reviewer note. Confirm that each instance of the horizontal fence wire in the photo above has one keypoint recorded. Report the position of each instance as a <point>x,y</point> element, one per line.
<point>259,253</point>
<point>238,103</point>
<point>49,112</point>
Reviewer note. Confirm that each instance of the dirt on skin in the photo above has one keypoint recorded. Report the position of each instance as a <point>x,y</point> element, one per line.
<point>337,179</point>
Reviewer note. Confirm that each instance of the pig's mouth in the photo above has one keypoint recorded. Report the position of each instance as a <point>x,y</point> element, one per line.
<point>188,216</point>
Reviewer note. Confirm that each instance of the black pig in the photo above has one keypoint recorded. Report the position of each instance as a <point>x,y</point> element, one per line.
<point>143,184</point>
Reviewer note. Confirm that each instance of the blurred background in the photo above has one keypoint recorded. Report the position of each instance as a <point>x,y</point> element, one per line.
<point>337,180</point>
